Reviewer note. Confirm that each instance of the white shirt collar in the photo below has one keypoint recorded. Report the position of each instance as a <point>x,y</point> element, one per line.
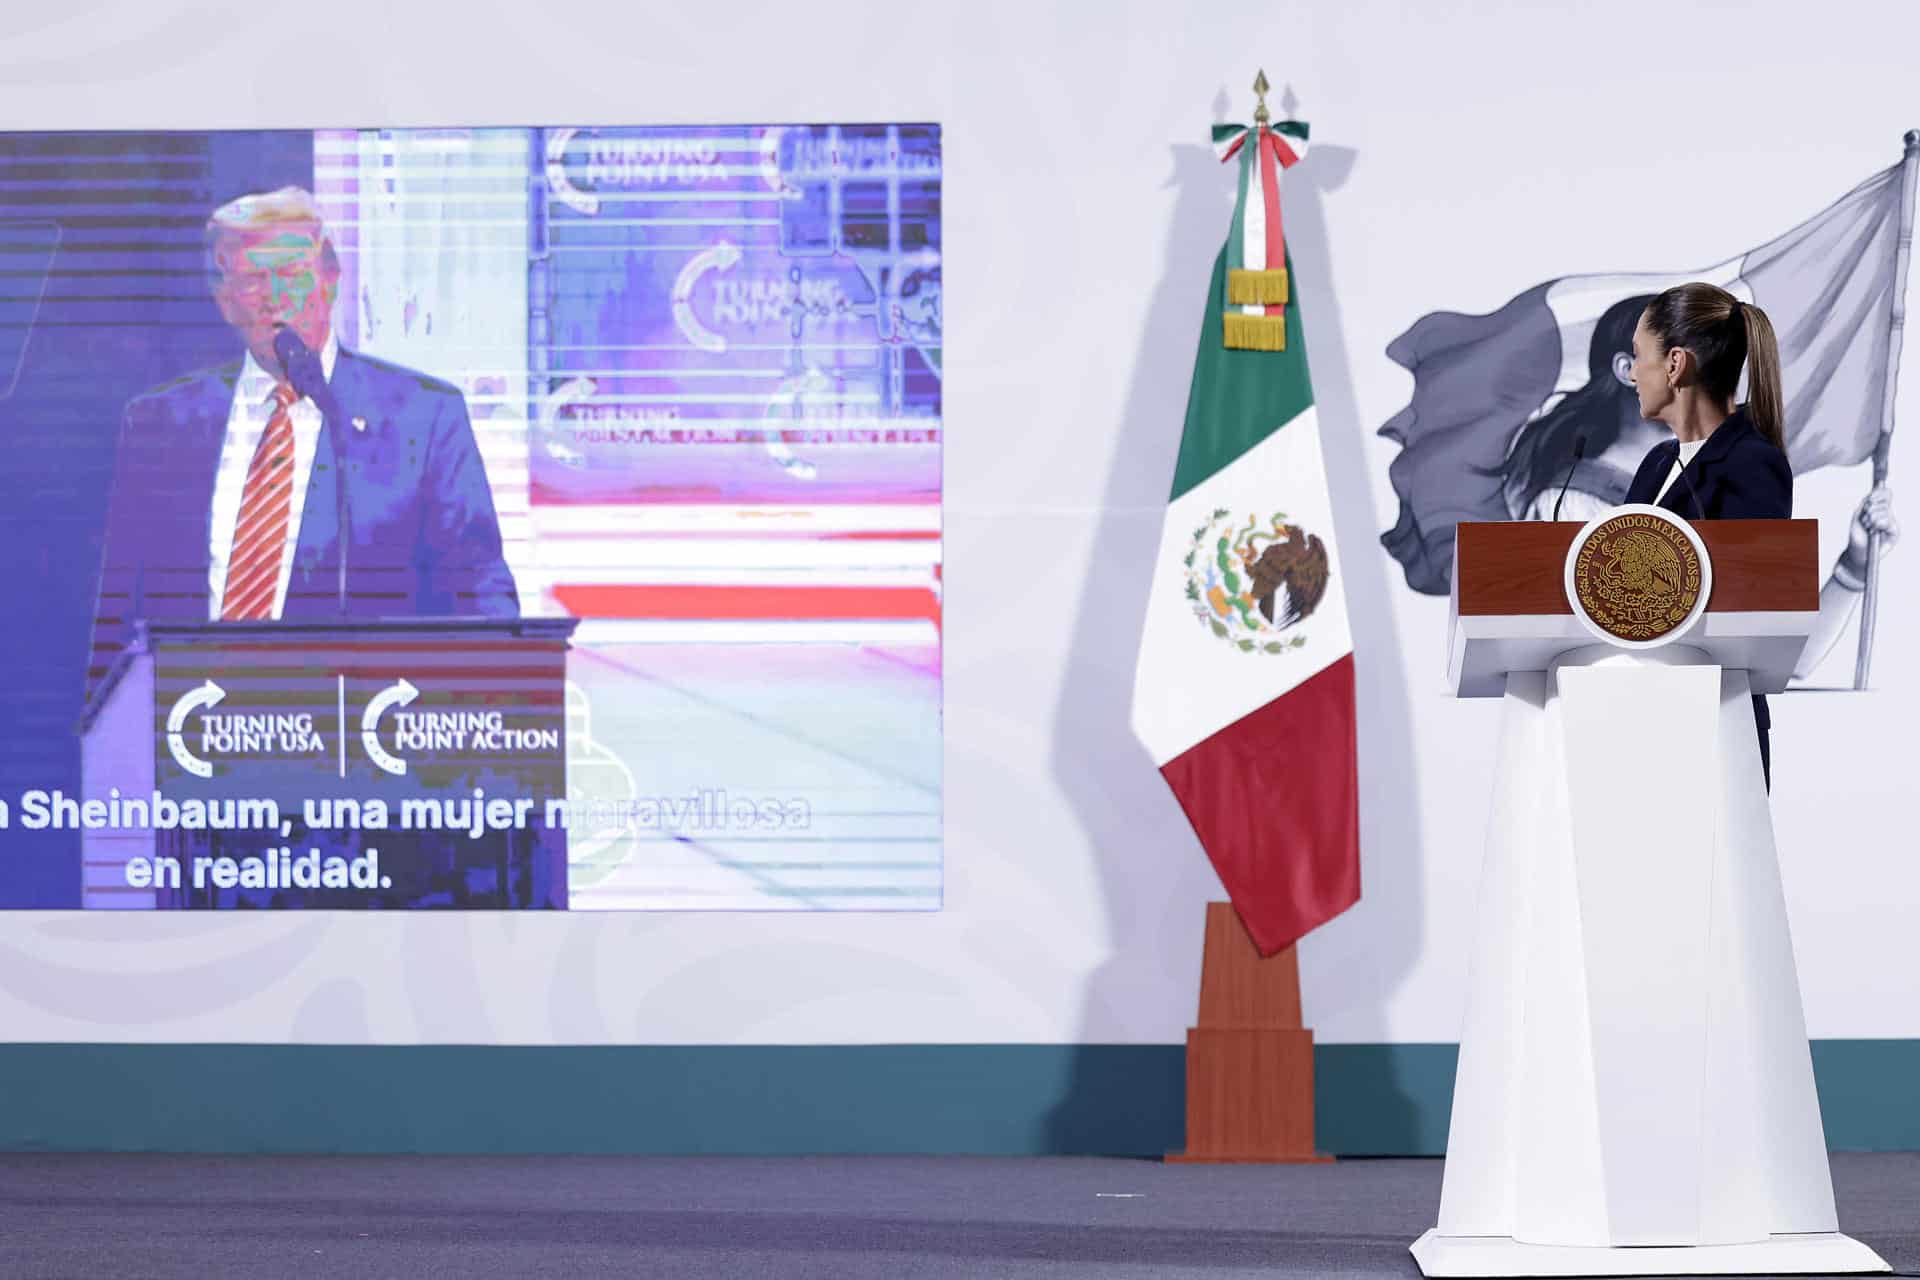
<point>256,384</point>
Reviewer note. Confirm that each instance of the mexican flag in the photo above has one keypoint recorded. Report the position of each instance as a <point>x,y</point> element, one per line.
<point>1244,691</point>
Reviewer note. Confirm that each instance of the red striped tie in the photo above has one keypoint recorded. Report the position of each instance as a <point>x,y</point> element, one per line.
<point>266,504</point>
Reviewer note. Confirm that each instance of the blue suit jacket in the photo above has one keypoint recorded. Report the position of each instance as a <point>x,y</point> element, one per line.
<point>425,538</point>
<point>1737,475</point>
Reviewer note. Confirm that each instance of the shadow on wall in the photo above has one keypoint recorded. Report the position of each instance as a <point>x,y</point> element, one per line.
<point>1351,967</point>
<point>1155,888</point>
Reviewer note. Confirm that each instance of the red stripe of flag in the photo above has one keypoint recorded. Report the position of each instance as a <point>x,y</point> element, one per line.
<point>1275,800</point>
<point>717,603</point>
<point>877,535</point>
<point>1270,196</point>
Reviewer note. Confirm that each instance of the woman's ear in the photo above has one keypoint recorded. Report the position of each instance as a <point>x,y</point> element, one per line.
<point>1623,368</point>
<point>1679,367</point>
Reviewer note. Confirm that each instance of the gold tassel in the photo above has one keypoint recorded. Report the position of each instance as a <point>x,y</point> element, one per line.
<point>1257,288</point>
<point>1256,333</point>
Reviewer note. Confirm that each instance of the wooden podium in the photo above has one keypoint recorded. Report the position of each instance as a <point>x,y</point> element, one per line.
<point>1510,612</point>
<point>1635,1092</point>
<point>441,720</point>
<point>1249,1061</point>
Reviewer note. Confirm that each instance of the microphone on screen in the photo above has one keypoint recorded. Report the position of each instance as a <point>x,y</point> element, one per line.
<point>1579,452</point>
<point>304,371</point>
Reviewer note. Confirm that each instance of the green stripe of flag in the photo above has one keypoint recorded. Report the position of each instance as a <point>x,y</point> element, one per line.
<point>1238,398</point>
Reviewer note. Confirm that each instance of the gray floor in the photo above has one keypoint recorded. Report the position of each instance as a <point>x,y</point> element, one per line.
<point>105,1217</point>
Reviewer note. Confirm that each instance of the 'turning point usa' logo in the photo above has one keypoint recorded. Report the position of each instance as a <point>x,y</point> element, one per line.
<point>238,734</point>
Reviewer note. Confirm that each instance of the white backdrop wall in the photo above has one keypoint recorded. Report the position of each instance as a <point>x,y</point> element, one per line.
<point>1461,154</point>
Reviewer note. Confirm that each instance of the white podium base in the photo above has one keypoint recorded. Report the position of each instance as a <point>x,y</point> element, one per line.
<point>1635,1093</point>
<point>1823,1253</point>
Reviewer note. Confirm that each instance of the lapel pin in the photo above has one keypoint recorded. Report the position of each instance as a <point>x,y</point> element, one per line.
<point>359,424</point>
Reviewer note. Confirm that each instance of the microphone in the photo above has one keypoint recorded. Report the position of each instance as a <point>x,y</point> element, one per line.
<point>1579,452</point>
<point>308,376</point>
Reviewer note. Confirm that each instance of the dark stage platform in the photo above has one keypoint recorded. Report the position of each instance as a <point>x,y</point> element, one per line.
<point>159,1217</point>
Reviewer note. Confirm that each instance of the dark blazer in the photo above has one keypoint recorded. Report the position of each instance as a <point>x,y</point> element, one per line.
<point>1737,475</point>
<point>426,539</point>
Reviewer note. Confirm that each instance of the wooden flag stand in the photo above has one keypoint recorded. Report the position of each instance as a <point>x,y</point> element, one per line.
<point>1249,1061</point>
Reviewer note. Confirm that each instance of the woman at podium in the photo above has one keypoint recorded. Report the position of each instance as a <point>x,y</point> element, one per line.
<point>1635,1092</point>
<point>1725,461</point>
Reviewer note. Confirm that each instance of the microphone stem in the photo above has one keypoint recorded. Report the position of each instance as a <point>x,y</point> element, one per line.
<point>1579,452</point>
<point>342,511</point>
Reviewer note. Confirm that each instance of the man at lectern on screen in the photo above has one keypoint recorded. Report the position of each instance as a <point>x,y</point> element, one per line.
<point>225,502</point>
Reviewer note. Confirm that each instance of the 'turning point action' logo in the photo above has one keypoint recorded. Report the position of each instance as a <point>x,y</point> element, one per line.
<point>442,731</point>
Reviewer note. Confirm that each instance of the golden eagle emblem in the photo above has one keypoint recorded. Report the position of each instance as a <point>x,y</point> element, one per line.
<point>1248,583</point>
<point>1637,577</point>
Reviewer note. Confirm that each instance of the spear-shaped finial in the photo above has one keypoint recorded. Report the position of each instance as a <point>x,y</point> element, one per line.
<point>1260,87</point>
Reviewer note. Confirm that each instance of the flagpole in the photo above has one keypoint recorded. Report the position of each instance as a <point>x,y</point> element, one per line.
<point>1869,607</point>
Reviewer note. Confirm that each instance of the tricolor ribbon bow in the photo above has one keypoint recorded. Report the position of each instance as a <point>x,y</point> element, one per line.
<point>1256,251</point>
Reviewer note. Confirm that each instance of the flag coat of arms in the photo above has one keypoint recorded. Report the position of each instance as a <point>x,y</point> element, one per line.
<point>1244,692</point>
